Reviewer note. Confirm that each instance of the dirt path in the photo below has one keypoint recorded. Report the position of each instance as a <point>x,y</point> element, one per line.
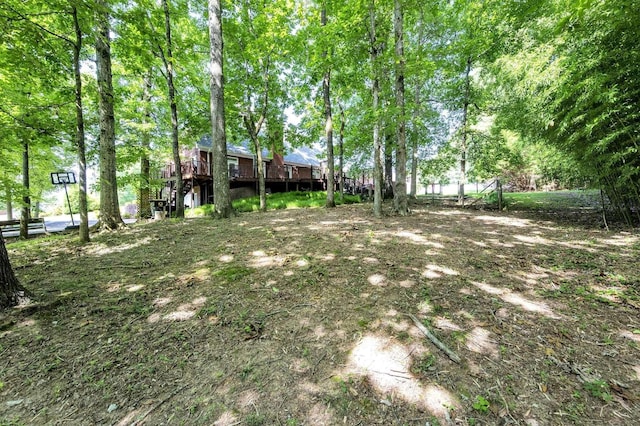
<point>298,317</point>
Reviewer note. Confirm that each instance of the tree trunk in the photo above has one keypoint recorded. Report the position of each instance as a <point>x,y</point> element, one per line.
<point>328,120</point>
<point>254,129</point>
<point>375,92</point>
<point>79,136</point>
<point>414,145</point>
<point>400,193</point>
<point>110,217</point>
<point>262,190</point>
<point>26,199</point>
<point>11,292</point>
<point>341,152</point>
<point>168,62</point>
<point>144,191</point>
<point>221,193</point>
<point>388,163</point>
<point>463,148</point>
<point>9,201</point>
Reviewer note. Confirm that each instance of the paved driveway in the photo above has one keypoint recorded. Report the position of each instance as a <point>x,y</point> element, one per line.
<point>59,223</point>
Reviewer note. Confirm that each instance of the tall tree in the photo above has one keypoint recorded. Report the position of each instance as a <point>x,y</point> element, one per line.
<point>221,192</point>
<point>110,217</point>
<point>328,117</point>
<point>464,130</point>
<point>167,60</point>
<point>25,214</point>
<point>144,188</point>
<point>257,60</point>
<point>376,47</point>
<point>79,133</point>
<point>400,193</point>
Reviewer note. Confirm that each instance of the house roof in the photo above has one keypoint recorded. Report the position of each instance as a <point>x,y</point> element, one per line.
<point>299,156</point>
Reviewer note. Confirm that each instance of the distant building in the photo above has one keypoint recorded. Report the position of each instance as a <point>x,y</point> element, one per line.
<point>300,170</point>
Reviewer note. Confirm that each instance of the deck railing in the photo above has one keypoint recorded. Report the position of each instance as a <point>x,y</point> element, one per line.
<point>282,172</point>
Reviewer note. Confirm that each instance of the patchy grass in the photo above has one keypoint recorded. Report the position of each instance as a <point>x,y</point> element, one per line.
<point>297,317</point>
<point>278,201</point>
<point>555,200</point>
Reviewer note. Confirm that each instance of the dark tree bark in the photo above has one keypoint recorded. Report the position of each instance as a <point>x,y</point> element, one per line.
<point>387,192</point>
<point>414,146</point>
<point>328,120</point>
<point>341,151</point>
<point>26,199</point>
<point>110,217</point>
<point>465,118</point>
<point>221,192</point>
<point>168,64</point>
<point>80,136</point>
<point>144,191</point>
<point>400,193</point>
<point>11,292</point>
<point>376,50</point>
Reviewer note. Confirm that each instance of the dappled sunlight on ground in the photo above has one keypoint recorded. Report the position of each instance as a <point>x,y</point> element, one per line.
<point>161,301</point>
<point>102,249</point>
<point>504,221</point>
<point>416,237</point>
<point>183,312</point>
<point>530,278</point>
<point>629,335</point>
<point>386,364</point>
<point>624,240</point>
<point>435,271</point>
<point>610,293</point>
<point>407,283</point>
<point>321,415</point>
<point>377,280</point>
<point>263,260</point>
<point>136,287</point>
<point>532,240</point>
<point>636,368</point>
<point>498,243</point>
<point>482,341</point>
<point>227,419</point>
<point>448,213</point>
<point>291,318</point>
<point>446,324</point>
<point>518,300</point>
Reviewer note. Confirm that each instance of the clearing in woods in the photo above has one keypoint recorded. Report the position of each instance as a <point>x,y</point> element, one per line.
<point>301,317</point>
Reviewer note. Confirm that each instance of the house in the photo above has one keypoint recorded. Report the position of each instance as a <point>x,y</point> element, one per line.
<point>300,170</point>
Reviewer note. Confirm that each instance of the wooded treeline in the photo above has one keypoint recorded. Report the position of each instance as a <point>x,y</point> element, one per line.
<point>540,92</point>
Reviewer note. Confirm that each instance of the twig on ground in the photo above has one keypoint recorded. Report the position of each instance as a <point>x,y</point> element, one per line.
<point>156,406</point>
<point>452,355</point>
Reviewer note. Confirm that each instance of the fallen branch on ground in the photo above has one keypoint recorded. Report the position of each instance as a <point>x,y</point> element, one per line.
<point>452,355</point>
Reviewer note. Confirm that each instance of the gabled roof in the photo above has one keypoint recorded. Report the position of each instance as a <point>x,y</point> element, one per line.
<point>298,156</point>
<point>243,149</point>
<point>303,155</point>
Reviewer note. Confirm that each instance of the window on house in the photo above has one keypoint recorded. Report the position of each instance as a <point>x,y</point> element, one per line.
<point>234,171</point>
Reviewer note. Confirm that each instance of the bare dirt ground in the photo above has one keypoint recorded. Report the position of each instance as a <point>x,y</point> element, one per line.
<point>300,317</point>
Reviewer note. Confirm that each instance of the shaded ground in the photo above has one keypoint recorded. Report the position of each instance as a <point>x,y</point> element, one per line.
<point>297,317</point>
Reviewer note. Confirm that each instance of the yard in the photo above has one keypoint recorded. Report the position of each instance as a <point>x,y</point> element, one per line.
<point>301,317</point>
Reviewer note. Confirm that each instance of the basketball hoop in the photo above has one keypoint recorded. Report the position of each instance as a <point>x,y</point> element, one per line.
<point>65,178</point>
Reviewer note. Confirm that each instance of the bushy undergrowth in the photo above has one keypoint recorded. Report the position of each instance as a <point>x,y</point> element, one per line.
<point>278,201</point>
